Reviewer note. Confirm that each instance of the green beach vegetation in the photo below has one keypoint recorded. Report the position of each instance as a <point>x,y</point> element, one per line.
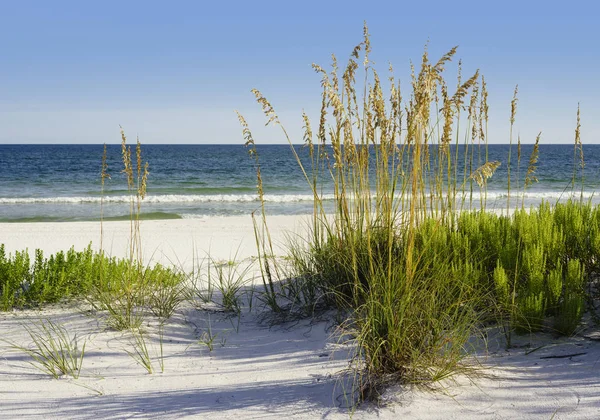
<point>411,256</point>
<point>415,260</point>
<point>122,292</point>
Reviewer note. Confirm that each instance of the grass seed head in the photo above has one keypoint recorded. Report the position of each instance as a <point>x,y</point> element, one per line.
<point>513,105</point>
<point>533,159</point>
<point>484,172</point>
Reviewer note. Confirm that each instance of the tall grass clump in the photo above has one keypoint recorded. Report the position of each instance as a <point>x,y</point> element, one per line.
<point>53,350</point>
<point>408,249</point>
<point>127,292</point>
<point>398,181</point>
<point>264,244</point>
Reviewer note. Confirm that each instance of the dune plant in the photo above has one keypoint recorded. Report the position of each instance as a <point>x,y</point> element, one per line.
<point>221,283</point>
<point>398,251</point>
<point>530,177</point>
<point>570,310</point>
<point>532,297</point>
<point>228,279</point>
<point>53,350</point>
<point>268,265</point>
<point>208,337</point>
<point>15,275</point>
<point>555,286</point>
<point>198,288</point>
<point>124,297</point>
<point>513,113</point>
<point>504,289</point>
<point>140,352</point>
<point>45,280</point>
<point>165,293</point>
<point>391,172</point>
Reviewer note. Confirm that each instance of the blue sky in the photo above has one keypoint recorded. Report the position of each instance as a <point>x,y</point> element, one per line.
<point>174,72</point>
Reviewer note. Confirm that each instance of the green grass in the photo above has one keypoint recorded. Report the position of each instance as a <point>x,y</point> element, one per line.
<point>140,352</point>
<point>86,274</point>
<point>405,252</point>
<point>52,350</point>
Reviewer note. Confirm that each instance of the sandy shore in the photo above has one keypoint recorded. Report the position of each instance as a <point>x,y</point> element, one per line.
<point>166,241</point>
<point>254,370</point>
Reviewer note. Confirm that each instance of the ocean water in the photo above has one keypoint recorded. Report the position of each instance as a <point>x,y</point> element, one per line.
<point>62,182</point>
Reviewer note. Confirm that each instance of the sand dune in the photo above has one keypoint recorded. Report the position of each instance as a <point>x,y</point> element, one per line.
<point>258,370</point>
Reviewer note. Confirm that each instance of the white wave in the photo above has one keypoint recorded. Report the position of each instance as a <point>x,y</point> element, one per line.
<point>171,198</point>
<point>270,198</point>
<point>537,195</point>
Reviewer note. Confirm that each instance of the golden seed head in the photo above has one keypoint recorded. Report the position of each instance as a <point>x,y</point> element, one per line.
<point>531,168</point>
<point>249,141</point>
<point>513,105</point>
<point>578,144</point>
<point>266,107</point>
<point>308,134</point>
<point>367,43</point>
<point>484,172</point>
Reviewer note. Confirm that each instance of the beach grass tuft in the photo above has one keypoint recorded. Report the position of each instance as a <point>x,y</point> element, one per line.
<point>408,251</point>
<point>53,350</point>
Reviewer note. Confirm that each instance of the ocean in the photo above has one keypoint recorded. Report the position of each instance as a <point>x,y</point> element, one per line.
<point>62,182</point>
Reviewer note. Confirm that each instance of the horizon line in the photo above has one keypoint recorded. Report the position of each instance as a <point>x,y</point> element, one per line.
<point>263,144</point>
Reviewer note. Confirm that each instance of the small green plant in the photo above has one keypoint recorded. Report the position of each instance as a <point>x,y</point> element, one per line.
<point>571,307</point>
<point>140,351</point>
<point>249,293</point>
<point>200,284</point>
<point>161,339</point>
<point>61,276</point>
<point>229,279</point>
<point>121,298</point>
<point>208,338</point>
<point>504,293</point>
<point>53,350</point>
<point>165,291</point>
<point>555,286</point>
<point>532,299</point>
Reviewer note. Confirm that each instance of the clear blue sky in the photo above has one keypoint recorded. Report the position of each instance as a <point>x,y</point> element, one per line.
<point>175,71</point>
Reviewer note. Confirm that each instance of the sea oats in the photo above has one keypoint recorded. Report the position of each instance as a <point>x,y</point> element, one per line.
<point>472,117</point>
<point>367,44</point>
<point>266,107</point>
<point>513,105</point>
<point>439,66</point>
<point>448,116</point>
<point>308,134</point>
<point>483,110</point>
<point>532,166</point>
<point>484,172</point>
<point>578,138</point>
<point>334,74</point>
<point>126,157</point>
<point>138,155</point>
<point>463,90</point>
<point>246,133</point>
<point>323,120</point>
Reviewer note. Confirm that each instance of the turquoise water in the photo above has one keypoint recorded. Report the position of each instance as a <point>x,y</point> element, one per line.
<point>62,182</point>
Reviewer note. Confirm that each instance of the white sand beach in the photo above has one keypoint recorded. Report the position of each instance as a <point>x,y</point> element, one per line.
<point>257,370</point>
